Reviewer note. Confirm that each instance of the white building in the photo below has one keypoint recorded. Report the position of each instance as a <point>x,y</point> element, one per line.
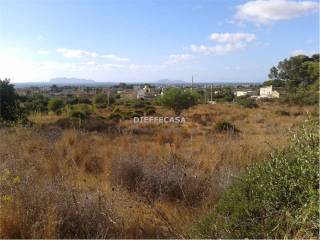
<point>141,94</point>
<point>267,92</point>
<point>245,93</point>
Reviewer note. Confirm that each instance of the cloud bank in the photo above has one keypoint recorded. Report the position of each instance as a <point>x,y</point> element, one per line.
<point>267,11</point>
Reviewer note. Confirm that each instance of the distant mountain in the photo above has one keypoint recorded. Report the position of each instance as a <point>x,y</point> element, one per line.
<point>71,81</point>
<point>170,82</point>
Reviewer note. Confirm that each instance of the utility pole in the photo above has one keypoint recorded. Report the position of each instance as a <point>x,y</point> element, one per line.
<point>108,96</point>
<point>211,92</point>
<point>192,83</point>
<point>205,94</point>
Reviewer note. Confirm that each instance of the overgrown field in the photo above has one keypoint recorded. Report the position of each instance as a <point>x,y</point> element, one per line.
<point>111,179</point>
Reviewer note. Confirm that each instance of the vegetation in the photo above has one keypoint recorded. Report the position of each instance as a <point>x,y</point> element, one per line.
<point>224,94</point>
<point>55,105</point>
<point>274,199</point>
<point>300,77</point>
<point>102,100</point>
<point>247,102</point>
<point>178,100</point>
<point>225,126</point>
<point>79,176</point>
<point>84,170</point>
<point>10,110</point>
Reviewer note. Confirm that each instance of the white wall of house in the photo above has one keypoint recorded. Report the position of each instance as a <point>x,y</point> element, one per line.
<point>267,92</point>
<point>140,94</point>
<point>241,93</point>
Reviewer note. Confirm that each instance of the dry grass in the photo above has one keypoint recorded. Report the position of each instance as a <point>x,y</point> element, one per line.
<point>150,181</point>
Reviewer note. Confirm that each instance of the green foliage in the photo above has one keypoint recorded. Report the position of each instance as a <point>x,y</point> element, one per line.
<point>101,100</point>
<point>55,105</point>
<point>247,102</point>
<point>300,75</point>
<point>79,115</point>
<point>132,114</point>
<point>115,116</point>
<point>81,111</point>
<point>275,83</point>
<point>78,100</point>
<point>178,99</point>
<point>225,126</point>
<point>277,198</point>
<point>303,96</point>
<point>10,110</point>
<point>224,94</point>
<point>8,100</point>
<point>36,103</point>
<point>150,110</point>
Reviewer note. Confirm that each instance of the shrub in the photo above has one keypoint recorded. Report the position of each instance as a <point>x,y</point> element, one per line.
<point>115,116</point>
<point>247,102</point>
<point>102,100</point>
<point>9,106</point>
<point>178,100</point>
<point>173,179</point>
<point>282,113</point>
<point>55,104</point>
<point>130,115</point>
<point>49,209</point>
<point>225,126</point>
<point>149,111</point>
<point>277,198</point>
<point>79,115</point>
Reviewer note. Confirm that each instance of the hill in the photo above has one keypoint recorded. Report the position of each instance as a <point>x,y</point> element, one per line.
<point>71,81</point>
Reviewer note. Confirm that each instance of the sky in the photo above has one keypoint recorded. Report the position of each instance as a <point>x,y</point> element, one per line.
<point>148,40</point>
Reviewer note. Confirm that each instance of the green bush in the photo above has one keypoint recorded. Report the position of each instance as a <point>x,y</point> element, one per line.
<point>149,111</point>
<point>101,100</point>
<point>302,97</point>
<point>178,99</point>
<point>79,115</point>
<point>225,126</point>
<point>115,116</point>
<point>10,110</point>
<point>55,104</point>
<point>247,102</point>
<point>130,115</point>
<point>277,198</point>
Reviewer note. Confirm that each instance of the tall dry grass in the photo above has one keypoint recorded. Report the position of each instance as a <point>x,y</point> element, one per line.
<point>149,181</point>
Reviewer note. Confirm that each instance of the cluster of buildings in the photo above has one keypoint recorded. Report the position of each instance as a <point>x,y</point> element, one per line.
<point>140,92</point>
<point>264,92</point>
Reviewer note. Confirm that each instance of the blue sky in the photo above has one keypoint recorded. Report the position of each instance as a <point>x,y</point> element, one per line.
<point>135,40</point>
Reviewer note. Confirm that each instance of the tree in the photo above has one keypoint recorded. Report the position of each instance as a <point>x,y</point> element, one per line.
<point>297,71</point>
<point>178,99</point>
<point>9,108</point>
<point>300,75</point>
<point>273,75</point>
<point>103,99</point>
<point>55,104</point>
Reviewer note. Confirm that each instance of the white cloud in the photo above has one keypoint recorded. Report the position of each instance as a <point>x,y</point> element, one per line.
<point>43,52</point>
<point>228,42</point>
<point>232,37</point>
<point>266,11</point>
<point>301,52</point>
<point>115,58</point>
<point>217,49</point>
<point>178,58</point>
<point>75,53</point>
